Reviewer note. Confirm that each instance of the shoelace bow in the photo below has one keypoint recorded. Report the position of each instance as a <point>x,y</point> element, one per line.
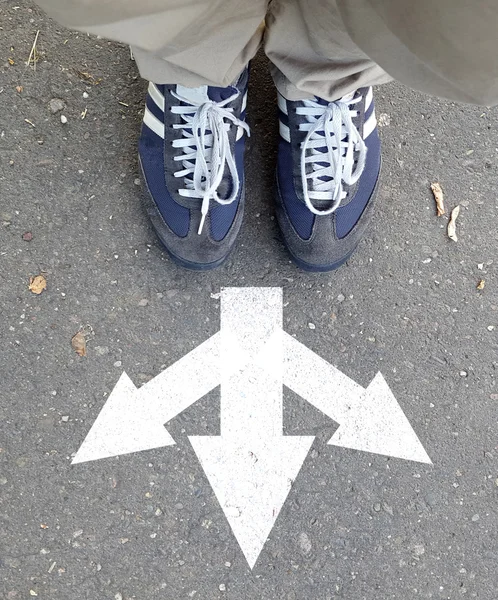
<point>206,150</point>
<point>329,148</point>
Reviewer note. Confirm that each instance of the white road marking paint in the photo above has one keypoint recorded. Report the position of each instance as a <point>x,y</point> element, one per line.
<point>251,466</point>
<point>369,420</point>
<point>133,420</point>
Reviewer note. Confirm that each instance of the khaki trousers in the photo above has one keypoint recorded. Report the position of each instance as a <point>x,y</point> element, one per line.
<point>317,47</point>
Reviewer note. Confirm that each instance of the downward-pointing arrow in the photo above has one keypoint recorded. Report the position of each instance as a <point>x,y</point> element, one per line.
<point>251,466</point>
<point>133,419</point>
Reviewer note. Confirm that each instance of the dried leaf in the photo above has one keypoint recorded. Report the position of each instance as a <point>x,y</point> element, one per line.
<point>481,284</point>
<point>78,342</point>
<point>37,284</point>
<point>89,77</point>
<point>43,526</point>
<point>19,88</point>
<point>438,196</point>
<point>452,224</point>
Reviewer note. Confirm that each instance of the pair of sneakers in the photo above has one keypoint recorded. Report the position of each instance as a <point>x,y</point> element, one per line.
<point>191,154</point>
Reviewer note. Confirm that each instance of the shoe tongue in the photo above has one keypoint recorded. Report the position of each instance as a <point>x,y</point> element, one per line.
<point>346,98</point>
<point>204,93</point>
<point>218,94</point>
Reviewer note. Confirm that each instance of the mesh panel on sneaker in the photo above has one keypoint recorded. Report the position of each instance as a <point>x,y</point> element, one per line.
<point>152,158</point>
<point>347,216</point>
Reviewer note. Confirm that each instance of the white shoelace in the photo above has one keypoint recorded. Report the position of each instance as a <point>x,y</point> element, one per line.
<point>332,140</point>
<point>206,150</point>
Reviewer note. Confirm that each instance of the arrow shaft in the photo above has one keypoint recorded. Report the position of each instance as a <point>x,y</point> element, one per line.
<point>184,382</point>
<point>251,399</point>
<point>317,381</point>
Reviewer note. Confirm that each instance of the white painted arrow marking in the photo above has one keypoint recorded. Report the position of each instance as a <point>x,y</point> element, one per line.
<point>133,420</point>
<point>369,420</point>
<point>251,466</point>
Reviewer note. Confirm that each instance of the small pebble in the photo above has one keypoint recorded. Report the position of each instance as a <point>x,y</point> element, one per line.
<point>311,325</point>
<point>118,596</point>
<point>137,181</point>
<point>341,298</point>
<point>28,236</point>
<point>305,543</point>
<point>228,564</point>
<point>101,350</point>
<point>475,518</point>
<point>223,587</point>
<point>418,550</point>
<point>118,363</point>
<point>384,120</point>
<point>491,327</point>
<point>377,507</point>
<point>56,105</point>
<point>63,119</point>
<point>463,373</point>
<point>143,302</point>
<point>65,419</point>
<point>85,95</point>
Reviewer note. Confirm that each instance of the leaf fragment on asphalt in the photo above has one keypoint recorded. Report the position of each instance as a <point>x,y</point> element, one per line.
<point>78,342</point>
<point>481,284</point>
<point>438,197</point>
<point>452,224</point>
<point>37,284</point>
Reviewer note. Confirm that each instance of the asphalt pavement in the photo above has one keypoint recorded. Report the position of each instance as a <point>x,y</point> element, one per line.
<point>412,304</point>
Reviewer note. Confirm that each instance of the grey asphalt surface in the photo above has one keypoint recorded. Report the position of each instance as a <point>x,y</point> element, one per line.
<point>356,526</point>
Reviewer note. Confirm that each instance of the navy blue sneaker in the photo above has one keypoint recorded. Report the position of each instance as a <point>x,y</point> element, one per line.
<point>191,152</point>
<point>327,177</point>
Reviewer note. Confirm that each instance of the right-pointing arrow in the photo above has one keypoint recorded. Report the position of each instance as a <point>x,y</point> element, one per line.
<point>370,420</point>
<point>376,423</point>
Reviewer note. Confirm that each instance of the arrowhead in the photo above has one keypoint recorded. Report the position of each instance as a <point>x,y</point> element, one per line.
<point>251,481</point>
<point>124,425</point>
<point>376,423</point>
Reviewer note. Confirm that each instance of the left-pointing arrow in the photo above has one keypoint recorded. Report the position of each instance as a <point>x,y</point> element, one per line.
<point>252,465</point>
<point>133,419</point>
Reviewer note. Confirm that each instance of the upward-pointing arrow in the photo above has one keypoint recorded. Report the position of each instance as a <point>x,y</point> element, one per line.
<point>251,466</point>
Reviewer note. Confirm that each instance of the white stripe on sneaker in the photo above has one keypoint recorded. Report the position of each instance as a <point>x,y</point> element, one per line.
<point>282,104</point>
<point>285,132</point>
<point>368,99</point>
<point>244,103</point>
<point>156,95</point>
<point>153,123</point>
<point>369,125</point>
